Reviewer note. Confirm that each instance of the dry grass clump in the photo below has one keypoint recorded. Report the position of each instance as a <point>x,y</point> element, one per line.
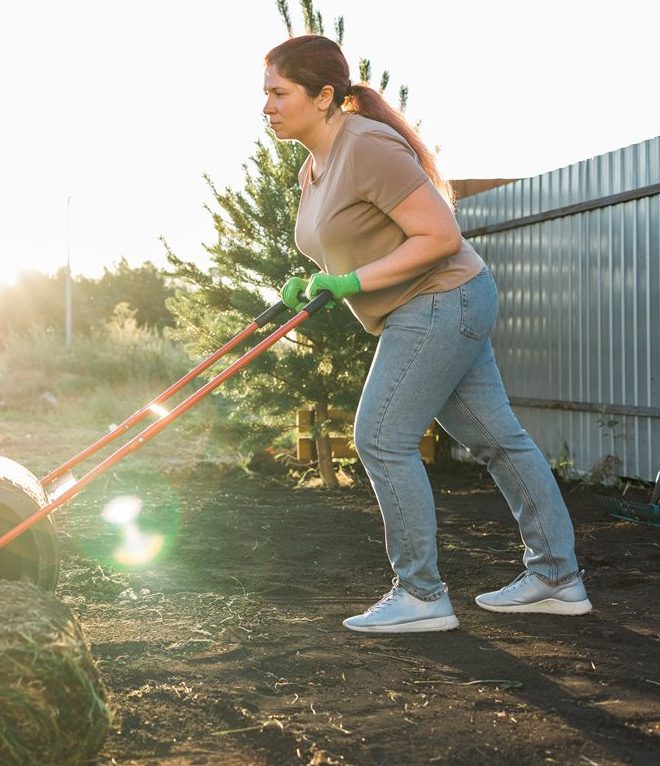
<point>53,705</point>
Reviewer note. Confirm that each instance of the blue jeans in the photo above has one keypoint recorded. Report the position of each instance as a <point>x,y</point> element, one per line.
<point>435,360</point>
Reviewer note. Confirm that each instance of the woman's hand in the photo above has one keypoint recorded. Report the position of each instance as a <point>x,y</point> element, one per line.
<point>340,286</point>
<point>291,291</point>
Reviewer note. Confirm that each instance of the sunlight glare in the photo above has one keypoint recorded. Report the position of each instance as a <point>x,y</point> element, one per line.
<point>161,412</point>
<point>60,486</point>
<point>137,547</point>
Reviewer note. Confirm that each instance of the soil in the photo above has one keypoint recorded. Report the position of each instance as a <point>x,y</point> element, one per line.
<point>228,649</point>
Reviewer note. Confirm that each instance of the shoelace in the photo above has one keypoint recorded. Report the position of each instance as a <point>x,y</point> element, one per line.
<point>517,582</point>
<point>385,600</point>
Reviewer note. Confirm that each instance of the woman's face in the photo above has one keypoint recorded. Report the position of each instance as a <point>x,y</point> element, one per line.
<point>291,113</point>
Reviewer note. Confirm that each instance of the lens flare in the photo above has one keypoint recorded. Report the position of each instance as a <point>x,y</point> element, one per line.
<point>122,510</point>
<point>137,547</point>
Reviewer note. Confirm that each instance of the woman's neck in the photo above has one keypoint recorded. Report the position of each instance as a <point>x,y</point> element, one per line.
<point>321,143</point>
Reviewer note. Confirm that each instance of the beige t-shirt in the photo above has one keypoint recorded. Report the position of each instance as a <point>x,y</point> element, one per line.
<point>342,220</point>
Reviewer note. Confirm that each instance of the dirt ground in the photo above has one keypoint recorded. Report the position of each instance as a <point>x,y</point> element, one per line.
<point>229,649</point>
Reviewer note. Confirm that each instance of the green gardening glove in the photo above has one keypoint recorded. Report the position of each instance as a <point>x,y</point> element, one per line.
<point>341,286</point>
<point>290,292</point>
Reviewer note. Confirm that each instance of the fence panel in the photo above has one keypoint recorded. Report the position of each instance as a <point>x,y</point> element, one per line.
<point>576,256</point>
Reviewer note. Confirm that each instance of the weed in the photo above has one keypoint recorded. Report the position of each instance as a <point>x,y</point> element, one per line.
<point>563,465</point>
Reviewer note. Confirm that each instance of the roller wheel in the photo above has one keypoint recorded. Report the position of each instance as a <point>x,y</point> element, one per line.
<point>34,555</point>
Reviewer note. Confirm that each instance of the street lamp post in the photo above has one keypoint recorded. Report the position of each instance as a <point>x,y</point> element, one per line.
<point>68,314</point>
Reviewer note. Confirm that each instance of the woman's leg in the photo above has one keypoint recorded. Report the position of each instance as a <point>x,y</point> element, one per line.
<point>478,415</point>
<point>423,353</point>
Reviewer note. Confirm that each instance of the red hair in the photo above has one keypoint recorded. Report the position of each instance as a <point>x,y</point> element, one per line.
<point>314,61</point>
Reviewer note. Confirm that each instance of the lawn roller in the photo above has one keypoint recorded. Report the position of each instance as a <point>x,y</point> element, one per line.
<point>28,542</point>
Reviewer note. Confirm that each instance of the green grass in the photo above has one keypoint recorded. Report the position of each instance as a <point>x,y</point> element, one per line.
<point>55,402</point>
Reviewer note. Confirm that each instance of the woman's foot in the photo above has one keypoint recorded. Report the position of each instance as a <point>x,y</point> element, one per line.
<point>400,612</point>
<point>528,593</point>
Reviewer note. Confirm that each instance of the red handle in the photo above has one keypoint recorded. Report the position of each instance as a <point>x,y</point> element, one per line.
<point>140,414</point>
<point>155,428</point>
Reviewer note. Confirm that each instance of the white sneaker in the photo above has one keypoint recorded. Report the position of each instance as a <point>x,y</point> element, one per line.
<point>400,612</point>
<point>528,593</point>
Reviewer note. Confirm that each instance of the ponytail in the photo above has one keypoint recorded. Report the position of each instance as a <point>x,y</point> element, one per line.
<point>364,100</point>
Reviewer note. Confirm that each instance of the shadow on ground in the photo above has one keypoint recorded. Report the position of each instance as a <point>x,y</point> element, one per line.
<point>229,649</point>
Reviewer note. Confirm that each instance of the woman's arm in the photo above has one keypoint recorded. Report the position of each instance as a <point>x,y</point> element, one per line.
<point>432,233</point>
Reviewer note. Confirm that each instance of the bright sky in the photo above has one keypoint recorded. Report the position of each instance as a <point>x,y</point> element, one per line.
<point>123,105</point>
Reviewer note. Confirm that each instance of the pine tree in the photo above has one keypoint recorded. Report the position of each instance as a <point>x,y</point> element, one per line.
<point>324,363</point>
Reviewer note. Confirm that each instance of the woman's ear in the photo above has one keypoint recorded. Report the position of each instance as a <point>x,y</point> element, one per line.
<point>325,97</point>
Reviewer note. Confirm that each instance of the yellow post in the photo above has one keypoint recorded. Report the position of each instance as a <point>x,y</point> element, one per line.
<point>341,445</point>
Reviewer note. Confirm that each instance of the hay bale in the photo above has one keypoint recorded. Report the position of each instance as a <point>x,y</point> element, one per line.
<point>53,705</point>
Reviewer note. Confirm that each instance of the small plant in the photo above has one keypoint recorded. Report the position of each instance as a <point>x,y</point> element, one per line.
<point>563,465</point>
<point>605,471</point>
<point>607,421</point>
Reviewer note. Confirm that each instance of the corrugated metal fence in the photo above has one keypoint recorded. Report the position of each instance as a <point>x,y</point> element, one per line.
<point>576,256</point>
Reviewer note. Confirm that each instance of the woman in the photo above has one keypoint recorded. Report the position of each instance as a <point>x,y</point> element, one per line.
<point>378,221</point>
